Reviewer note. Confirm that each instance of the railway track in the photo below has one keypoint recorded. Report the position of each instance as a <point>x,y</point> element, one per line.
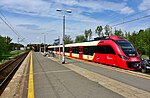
<point>8,69</point>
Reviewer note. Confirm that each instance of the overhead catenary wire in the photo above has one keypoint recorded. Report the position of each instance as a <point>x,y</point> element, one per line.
<point>136,13</point>
<point>128,16</point>
<point>6,21</point>
<point>11,27</point>
<point>131,20</point>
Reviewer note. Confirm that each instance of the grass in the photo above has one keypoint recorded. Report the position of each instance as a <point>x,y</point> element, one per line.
<point>10,55</point>
<point>144,56</point>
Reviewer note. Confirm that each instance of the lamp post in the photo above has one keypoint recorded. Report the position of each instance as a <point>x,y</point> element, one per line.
<point>44,41</point>
<point>63,35</point>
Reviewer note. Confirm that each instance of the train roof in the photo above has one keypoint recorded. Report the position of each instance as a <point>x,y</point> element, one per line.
<point>91,43</point>
<point>116,38</point>
<point>109,38</point>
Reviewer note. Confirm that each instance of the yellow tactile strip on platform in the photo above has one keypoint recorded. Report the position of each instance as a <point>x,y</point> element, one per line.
<point>30,83</point>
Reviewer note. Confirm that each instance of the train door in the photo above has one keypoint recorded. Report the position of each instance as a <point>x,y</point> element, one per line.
<point>70,51</point>
<point>100,55</point>
<point>80,52</point>
<point>111,56</point>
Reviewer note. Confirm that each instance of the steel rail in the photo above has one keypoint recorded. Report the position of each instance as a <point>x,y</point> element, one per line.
<point>1,69</point>
<point>12,70</point>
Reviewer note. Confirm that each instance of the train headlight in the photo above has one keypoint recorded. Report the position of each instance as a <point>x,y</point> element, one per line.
<point>123,57</point>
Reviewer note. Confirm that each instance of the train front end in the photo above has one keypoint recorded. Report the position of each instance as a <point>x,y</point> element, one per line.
<point>128,56</point>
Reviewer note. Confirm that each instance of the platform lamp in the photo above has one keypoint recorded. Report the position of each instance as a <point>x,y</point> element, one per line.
<point>63,37</point>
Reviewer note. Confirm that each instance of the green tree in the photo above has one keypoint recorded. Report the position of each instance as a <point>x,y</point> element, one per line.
<point>126,35</point>
<point>67,39</point>
<point>14,46</point>
<point>4,45</point>
<point>90,33</point>
<point>1,46</point>
<point>86,34</point>
<point>146,40</point>
<point>107,30</point>
<point>141,41</point>
<point>119,33</point>
<point>80,38</point>
<point>98,31</point>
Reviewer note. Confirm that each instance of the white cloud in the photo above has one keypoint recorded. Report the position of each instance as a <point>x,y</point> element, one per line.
<point>42,8</point>
<point>29,26</point>
<point>145,5</point>
<point>98,6</point>
<point>25,6</point>
<point>67,2</point>
<point>47,9</point>
<point>127,10</point>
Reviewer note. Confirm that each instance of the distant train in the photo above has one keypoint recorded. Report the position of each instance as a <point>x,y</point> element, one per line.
<point>112,50</point>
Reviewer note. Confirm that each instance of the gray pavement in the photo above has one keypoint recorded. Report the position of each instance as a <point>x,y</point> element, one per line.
<point>53,80</point>
<point>135,81</point>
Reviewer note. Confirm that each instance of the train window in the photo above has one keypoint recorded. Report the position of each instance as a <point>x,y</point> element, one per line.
<point>109,50</point>
<point>67,49</point>
<point>57,49</point>
<point>89,50</point>
<point>61,49</point>
<point>51,49</point>
<point>75,50</point>
<point>104,50</point>
<point>127,47</point>
<point>100,49</point>
<point>85,50</point>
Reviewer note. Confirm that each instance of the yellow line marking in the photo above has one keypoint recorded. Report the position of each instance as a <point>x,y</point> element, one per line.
<point>30,82</point>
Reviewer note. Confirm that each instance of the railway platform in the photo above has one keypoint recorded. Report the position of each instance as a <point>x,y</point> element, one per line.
<point>46,77</point>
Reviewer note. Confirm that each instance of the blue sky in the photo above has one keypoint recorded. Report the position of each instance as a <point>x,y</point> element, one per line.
<point>31,18</point>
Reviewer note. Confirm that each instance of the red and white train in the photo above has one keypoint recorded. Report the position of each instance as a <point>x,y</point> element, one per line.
<point>112,50</point>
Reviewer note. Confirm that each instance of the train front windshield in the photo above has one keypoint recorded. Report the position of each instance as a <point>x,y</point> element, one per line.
<point>126,47</point>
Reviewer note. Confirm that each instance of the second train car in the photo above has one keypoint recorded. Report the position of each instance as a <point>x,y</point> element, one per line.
<point>112,50</point>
